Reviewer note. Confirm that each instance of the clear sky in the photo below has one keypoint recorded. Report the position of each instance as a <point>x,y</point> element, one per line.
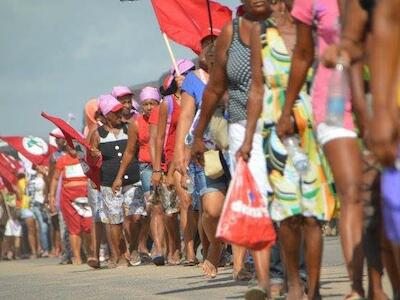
<point>55,55</point>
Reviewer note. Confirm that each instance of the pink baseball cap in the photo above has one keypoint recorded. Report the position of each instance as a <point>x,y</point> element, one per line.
<point>120,91</point>
<point>183,65</point>
<point>150,92</point>
<point>108,103</point>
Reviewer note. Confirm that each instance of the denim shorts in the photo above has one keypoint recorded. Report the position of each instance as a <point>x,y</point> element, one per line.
<point>204,185</point>
<point>146,171</point>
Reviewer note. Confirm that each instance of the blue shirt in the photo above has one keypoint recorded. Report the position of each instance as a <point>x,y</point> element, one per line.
<point>193,86</point>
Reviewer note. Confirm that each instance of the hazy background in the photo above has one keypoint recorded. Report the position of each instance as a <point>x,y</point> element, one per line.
<point>55,55</point>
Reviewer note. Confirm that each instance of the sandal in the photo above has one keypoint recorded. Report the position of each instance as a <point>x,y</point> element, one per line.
<point>93,263</point>
<point>256,293</point>
<point>242,275</point>
<point>354,296</point>
<point>190,263</point>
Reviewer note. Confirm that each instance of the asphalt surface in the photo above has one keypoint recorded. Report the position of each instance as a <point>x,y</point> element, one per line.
<point>45,279</point>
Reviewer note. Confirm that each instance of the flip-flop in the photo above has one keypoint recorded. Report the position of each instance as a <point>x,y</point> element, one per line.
<point>256,293</point>
<point>242,275</point>
<point>159,260</point>
<point>190,263</point>
<point>354,296</point>
<point>93,263</point>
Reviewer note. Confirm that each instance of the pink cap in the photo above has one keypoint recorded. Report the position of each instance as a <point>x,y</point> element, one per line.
<point>149,92</point>
<point>183,65</point>
<point>120,91</point>
<point>57,133</point>
<point>108,103</point>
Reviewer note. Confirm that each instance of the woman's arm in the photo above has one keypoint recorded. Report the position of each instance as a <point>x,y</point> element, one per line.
<point>385,68</point>
<point>358,97</point>
<point>157,133</point>
<point>186,117</point>
<point>128,155</point>
<point>256,93</point>
<point>302,60</point>
<point>53,189</point>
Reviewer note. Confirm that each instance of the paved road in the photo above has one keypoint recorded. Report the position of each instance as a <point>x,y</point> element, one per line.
<point>44,279</point>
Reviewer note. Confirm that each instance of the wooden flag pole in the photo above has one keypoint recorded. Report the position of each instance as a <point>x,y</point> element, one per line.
<point>171,54</point>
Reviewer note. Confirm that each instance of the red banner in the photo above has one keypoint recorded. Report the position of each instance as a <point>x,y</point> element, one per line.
<point>35,149</point>
<point>187,22</point>
<point>90,165</point>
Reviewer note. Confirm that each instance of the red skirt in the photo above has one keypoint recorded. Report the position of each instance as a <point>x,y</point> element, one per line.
<point>74,221</point>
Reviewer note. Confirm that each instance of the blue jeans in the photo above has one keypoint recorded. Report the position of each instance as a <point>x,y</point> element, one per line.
<point>43,226</point>
<point>146,172</point>
<point>199,183</point>
<point>67,255</point>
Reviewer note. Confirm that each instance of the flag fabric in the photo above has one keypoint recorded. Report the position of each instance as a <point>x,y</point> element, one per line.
<point>33,148</point>
<point>187,22</point>
<point>9,167</point>
<point>90,165</point>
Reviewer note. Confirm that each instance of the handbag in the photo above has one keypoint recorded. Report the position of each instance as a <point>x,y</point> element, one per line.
<point>218,128</point>
<point>213,167</point>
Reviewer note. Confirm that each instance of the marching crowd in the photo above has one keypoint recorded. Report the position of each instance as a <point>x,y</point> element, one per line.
<point>262,94</point>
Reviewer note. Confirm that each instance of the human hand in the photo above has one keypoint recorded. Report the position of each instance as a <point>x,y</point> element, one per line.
<point>94,152</point>
<point>197,151</point>
<point>116,186</point>
<point>334,54</point>
<point>284,127</point>
<point>383,138</point>
<point>244,152</point>
<point>156,178</point>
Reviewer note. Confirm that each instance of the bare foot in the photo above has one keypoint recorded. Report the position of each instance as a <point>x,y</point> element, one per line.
<point>209,269</point>
<point>296,293</point>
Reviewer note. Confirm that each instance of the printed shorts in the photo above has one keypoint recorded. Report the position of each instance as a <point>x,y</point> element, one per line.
<point>129,201</point>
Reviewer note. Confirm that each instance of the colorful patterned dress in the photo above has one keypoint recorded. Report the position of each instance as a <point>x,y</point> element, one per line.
<point>310,195</point>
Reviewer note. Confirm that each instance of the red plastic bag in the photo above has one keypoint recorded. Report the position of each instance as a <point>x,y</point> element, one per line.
<point>245,219</point>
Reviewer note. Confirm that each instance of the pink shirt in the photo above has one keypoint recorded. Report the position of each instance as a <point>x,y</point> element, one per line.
<point>326,15</point>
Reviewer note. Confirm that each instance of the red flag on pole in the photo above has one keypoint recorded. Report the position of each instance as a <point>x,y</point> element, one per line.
<point>90,165</point>
<point>187,22</point>
<point>33,148</point>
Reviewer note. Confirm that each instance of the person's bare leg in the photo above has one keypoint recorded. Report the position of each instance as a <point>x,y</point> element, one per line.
<point>186,218</point>
<point>76,244</point>
<point>205,243</point>
<point>172,227</point>
<point>115,239</point>
<point>390,266</point>
<point>212,204</point>
<point>238,257</point>
<point>313,254</point>
<point>57,243</point>
<point>86,239</point>
<point>144,235</point>
<point>31,224</point>
<point>157,228</point>
<point>344,158</point>
<point>290,235</point>
<point>135,226</point>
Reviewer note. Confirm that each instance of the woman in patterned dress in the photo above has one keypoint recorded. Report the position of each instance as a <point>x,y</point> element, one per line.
<point>299,201</point>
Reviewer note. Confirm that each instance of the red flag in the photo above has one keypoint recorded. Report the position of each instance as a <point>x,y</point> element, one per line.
<point>35,149</point>
<point>90,165</point>
<point>9,167</point>
<point>187,22</point>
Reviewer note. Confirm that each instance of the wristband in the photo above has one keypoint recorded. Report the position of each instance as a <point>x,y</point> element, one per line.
<point>157,171</point>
